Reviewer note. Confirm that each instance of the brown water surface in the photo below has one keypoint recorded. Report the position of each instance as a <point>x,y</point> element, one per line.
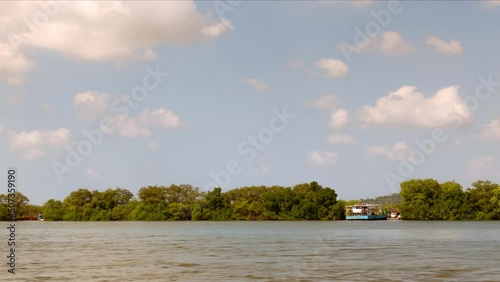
<point>256,251</point>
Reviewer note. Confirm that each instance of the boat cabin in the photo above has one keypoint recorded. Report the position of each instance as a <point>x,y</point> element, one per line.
<point>363,209</point>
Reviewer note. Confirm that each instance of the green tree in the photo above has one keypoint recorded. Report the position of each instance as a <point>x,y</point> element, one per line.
<point>418,199</point>
<point>179,211</point>
<point>150,212</point>
<point>153,194</point>
<point>495,202</point>
<point>313,202</point>
<point>109,204</point>
<point>184,194</point>
<point>449,205</point>
<point>53,210</point>
<point>337,212</point>
<point>23,208</point>
<point>4,210</point>
<point>211,206</point>
<point>278,202</point>
<point>78,205</point>
<point>477,201</point>
<point>181,199</point>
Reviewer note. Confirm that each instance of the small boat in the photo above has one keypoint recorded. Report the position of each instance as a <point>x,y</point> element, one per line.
<point>364,211</point>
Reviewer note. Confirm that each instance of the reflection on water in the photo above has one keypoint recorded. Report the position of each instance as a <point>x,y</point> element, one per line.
<point>257,251</point>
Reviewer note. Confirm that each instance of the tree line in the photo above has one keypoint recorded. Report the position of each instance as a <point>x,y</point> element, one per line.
<point>308,201</point>
<point>427,199</point>
<point>419,199</point>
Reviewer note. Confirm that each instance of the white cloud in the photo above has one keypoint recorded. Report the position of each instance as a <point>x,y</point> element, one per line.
<point>490,131</point>
<point>34,144</point>
<point>339,119</point>
<point>91,105</point>
<point>1,128</point>
<point>327,103</point>
<point>361,3</point>
<point>485,166</point>
<point>99,30</point>
<point>345,139</point>
<point>323,158</point>
<point>451,48</point>
<point>13,65</point>
<point>129,127</point>
<point>333,67</point>
<point>153,146</point>
<point>255,83</point>
<point>161,117</point>
<point>387,43</point>
<point>217,29</point>
<point>92,174</point>
<point>490,3</point>
<point>353,3</point>
<point>140,126</point>
<point>45,106</point>
<point>394,152</point>
<point>407,107</point>
<point>300,66</point>
<point>480,163</point>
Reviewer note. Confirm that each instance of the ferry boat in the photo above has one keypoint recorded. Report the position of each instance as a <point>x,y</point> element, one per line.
<point>364,211</point>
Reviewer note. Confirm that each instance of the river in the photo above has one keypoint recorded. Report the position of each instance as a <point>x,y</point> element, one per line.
<point>255,251</point>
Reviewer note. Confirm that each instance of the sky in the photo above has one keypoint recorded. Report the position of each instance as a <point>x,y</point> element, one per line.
<point>358,96</point>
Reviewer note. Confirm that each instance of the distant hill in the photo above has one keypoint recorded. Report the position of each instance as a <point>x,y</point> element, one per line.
<point>396,199</point>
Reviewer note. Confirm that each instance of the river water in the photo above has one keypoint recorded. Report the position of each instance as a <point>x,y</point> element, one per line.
<point>255,251</point>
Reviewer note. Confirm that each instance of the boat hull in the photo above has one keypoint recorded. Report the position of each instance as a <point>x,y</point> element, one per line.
<point>367,217</point>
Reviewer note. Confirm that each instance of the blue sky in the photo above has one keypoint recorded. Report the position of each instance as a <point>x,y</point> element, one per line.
<point>230,71</point>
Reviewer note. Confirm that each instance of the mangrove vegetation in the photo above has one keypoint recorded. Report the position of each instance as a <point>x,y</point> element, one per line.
<point>419,199</point>
<point>309,201</point>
